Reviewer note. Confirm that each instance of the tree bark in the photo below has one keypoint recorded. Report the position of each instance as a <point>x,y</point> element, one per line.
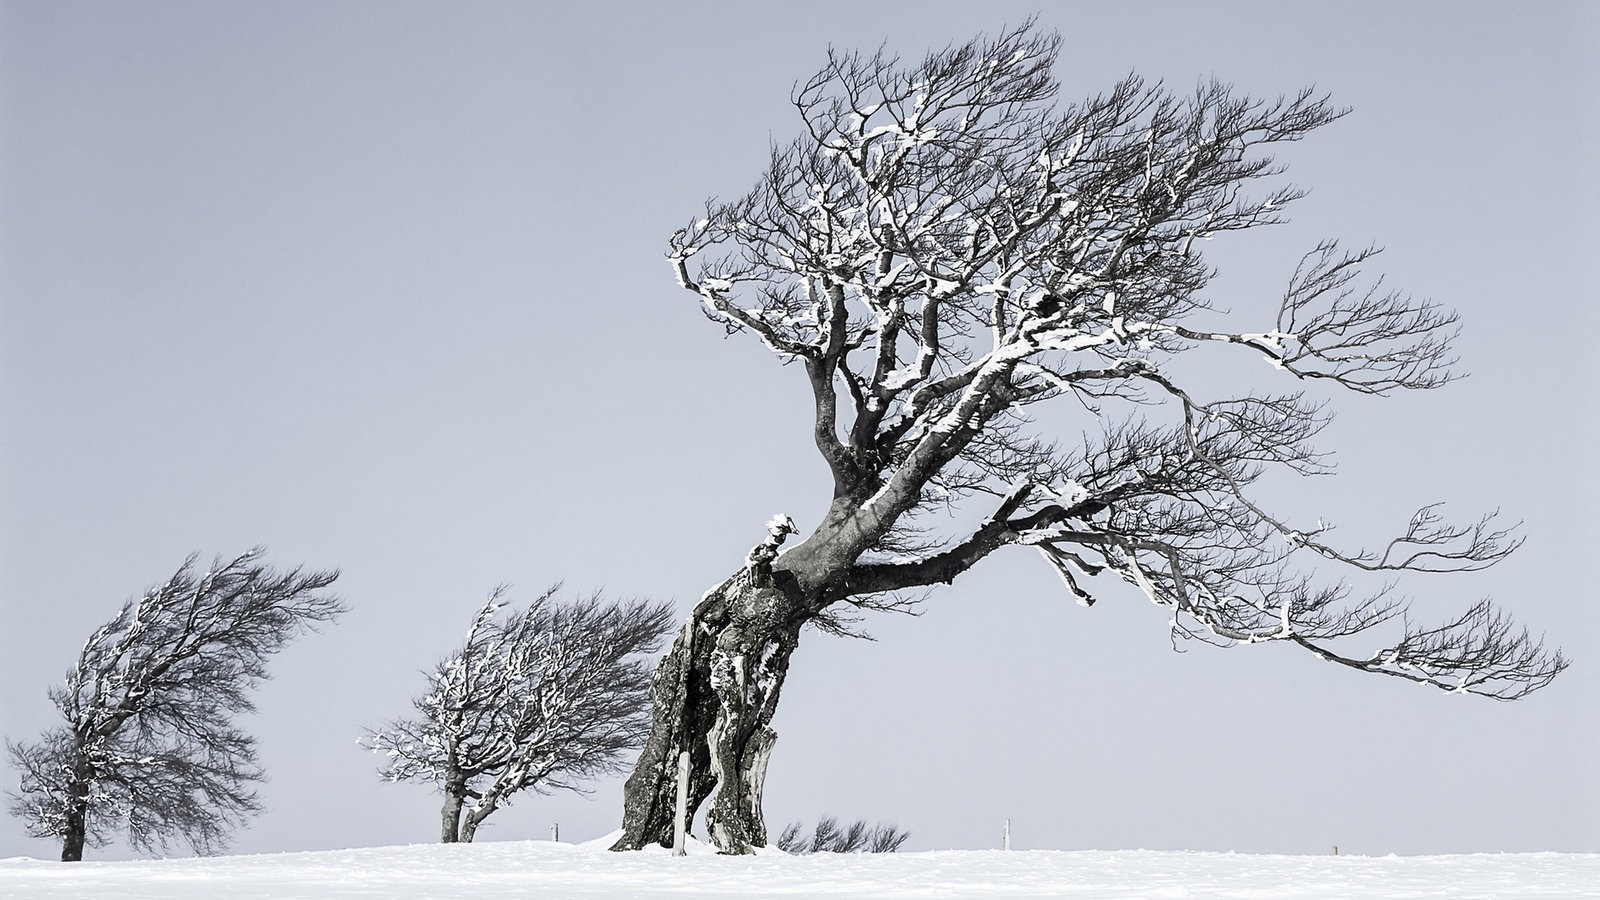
<point>714,695</point>
<point>455,789</point>
<point>76,831</point>
<point>72,837</point>
<point>469,826</point>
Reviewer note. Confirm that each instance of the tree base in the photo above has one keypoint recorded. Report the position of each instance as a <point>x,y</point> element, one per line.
<point>714,695</point>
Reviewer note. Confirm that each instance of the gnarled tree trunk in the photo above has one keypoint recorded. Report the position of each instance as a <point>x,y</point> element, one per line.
<point>714,695</point>
<point>715,692</point>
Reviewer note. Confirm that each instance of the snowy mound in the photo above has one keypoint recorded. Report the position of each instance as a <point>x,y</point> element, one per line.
<point>542,869</point>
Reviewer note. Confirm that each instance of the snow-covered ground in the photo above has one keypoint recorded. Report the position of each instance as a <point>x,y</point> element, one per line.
<point>544,869</point>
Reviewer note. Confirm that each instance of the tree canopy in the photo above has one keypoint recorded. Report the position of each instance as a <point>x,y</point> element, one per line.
<point>946,247</point>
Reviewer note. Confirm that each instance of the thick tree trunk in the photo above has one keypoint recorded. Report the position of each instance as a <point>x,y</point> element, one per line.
<point>73,837</point>
<point>76,831</point>
<point>469,825</point>
<point>716,691</point>
<point>455,790</point>
<point>714,696</point>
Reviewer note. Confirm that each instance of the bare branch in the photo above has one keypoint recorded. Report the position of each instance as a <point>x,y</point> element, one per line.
<point>1481,652</point>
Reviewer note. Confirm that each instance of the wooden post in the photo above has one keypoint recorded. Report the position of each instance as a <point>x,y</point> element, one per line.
<point>1007,834</point>
<point>679,826</point>
<point>555,831</point>
<point>1335,849</point>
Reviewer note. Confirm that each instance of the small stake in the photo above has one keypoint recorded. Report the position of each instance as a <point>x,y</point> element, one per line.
<point>555,831</point>
<point>1007,834</point>
<point>680,826</point>
<point>1335,849</point>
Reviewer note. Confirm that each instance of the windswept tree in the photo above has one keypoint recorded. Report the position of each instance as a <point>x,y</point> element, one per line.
<point>951,255</point>
<point>149,746</point>
<point>543,699</point>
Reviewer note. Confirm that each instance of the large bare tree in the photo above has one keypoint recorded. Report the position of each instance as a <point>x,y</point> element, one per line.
<point>540,698</point>
<point>149,746</point>
<point>951,256</point>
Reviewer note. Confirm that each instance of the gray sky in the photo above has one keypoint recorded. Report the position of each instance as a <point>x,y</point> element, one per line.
<point>381,287</point>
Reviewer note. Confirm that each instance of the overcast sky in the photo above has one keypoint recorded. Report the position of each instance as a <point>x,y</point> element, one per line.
<point>381,287</point>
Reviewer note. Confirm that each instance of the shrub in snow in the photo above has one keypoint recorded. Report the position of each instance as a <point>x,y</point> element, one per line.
<point>829,837</point>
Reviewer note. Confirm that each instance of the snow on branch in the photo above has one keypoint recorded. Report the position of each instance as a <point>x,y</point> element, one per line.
<point>950,247</point>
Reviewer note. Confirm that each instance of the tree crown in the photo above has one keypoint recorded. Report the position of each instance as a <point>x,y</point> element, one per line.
<point>945,246</point>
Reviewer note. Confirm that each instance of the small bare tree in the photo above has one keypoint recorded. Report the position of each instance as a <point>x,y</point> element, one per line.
<point>540,699</point>
<point>961,265</point>
<point>149,745</point>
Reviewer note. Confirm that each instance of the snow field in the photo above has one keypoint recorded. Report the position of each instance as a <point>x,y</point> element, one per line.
<point>529,869</point>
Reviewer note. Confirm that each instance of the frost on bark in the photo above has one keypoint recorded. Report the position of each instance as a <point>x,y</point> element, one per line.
<point>148,746</point>
<point>714,695</point>
<point>947,246</point>
<point>539,699</point>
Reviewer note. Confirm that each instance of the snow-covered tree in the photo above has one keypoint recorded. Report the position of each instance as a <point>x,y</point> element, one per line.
<point>998,302</point>
<point>149,747</point>
<point>543,699</point>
